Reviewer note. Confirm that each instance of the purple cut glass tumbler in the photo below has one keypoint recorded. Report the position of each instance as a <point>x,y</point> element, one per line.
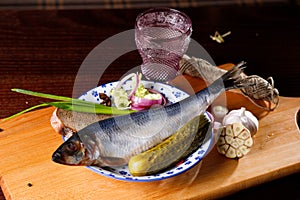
<point>162,36</point>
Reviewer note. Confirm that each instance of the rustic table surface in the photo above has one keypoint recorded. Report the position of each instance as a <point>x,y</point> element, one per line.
<point>43,50</point>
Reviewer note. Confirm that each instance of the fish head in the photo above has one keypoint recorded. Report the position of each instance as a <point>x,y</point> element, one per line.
<point>72,152</point>
<point>75,152</point>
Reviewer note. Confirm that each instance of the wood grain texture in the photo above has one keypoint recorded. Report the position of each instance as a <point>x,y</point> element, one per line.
<point>27,171</point>
<point>216,175</point>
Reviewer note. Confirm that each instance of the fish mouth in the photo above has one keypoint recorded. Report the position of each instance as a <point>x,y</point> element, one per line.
<point>57,157</point>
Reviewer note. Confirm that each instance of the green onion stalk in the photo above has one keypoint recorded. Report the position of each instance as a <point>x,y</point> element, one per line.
<point>68,103</point>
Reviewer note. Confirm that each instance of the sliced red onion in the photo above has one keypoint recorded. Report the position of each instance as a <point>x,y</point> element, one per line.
<point>143,103</point>
<point>135,87</point>
<point>127,77</point>
<point>137,102</point>
<point>137,108</point>
<point>164,101</point>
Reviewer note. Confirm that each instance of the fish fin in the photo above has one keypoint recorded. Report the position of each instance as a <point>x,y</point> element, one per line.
<point>232,78</point>
<point>113,161</point>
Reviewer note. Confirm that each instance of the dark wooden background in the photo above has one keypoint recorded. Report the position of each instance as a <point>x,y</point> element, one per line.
<point>42,50</point>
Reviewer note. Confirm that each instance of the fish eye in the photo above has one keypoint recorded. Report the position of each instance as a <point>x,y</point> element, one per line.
<point>71,147</point>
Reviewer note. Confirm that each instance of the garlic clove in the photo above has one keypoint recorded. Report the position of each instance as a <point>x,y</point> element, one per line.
<point>228,139</point>
<point>219,112</point>
<point>244,150</point>
<point>239,154</point>
<point>249,142</point>
<point>239,141</point>
<point>231,152</point>
<point>223,149</point>
<point>235,145</point>
<point>237,129</point>
<point>222,141</point>
<point>243,135</point>
<point>228,132</point>
<point>235,141</point>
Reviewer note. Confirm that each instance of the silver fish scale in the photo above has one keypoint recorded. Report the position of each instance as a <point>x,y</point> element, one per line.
<point>124,136</point>
<point>128,135</point>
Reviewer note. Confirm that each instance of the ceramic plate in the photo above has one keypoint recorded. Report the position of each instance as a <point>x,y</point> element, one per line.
<point>172,95</point>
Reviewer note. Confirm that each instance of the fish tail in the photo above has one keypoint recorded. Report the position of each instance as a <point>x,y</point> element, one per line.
<point>232,78</point>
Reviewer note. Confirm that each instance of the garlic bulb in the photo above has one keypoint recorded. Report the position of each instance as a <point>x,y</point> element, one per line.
<point>235,141</point>
<point>242,116</point>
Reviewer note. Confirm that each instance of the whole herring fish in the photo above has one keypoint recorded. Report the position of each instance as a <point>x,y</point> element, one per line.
<point>113,141</point>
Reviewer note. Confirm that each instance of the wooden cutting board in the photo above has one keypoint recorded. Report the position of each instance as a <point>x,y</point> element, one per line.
<point>27,172</point>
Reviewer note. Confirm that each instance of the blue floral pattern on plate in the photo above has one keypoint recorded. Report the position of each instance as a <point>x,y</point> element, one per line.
<point>172,95</point>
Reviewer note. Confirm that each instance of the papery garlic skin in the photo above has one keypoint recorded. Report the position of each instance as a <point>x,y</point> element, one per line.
<point>244,117</point>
